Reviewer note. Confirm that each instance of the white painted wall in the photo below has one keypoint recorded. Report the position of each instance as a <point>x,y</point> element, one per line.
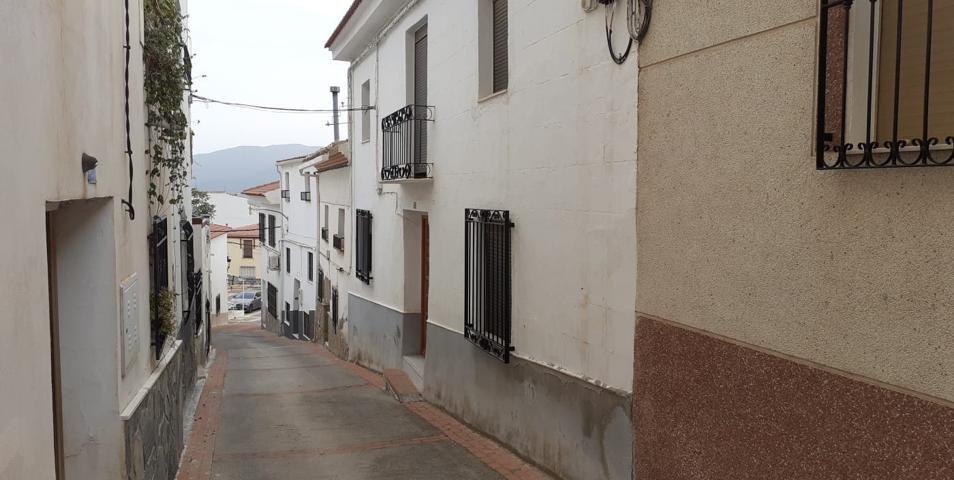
<point>335,193</point>
<point>557,150</point>
<point>218,265</point>
<point>75,50</point>
<point>300,236</point>
<point>231,209</point>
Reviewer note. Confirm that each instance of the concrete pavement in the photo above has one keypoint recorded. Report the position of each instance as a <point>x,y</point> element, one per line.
<point>277,409</point>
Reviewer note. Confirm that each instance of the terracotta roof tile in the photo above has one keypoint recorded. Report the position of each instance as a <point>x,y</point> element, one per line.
<point>335,160</point>
<point>261,190</point>
<point>216,230</point>
<point>246,231</point>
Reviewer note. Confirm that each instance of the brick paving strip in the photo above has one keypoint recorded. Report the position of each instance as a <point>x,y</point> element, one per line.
<point>196,461</point>
<point>200,449</point>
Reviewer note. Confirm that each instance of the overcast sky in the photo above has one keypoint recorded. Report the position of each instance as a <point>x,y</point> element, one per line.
<point>267,52</point>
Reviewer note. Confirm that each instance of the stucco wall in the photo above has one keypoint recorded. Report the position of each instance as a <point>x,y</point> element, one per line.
<point>238,259</point>
<point>231,209</point>
<point>61,87</point>
<point>557,150</point>
<point>219,272</point>
<point>739,235</point>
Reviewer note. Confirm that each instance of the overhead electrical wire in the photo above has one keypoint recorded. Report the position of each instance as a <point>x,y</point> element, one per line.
<point>202,99</point>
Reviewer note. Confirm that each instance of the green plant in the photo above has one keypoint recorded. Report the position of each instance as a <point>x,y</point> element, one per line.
<point>201,206</point>
<point>167,74</point>
<point>163,304</point>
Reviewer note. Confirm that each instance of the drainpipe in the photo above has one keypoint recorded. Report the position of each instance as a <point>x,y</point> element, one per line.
<point>334,110</point>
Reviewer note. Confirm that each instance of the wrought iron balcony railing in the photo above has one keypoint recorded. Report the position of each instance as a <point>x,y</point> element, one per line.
<point>404,144</point>
<point>324,233</point>
<point>337,241</point>
<point>286,194</point>
<point>885,89</point>
<point>306,196</point>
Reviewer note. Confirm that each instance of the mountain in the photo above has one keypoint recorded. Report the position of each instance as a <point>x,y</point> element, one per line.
<point>235,169</point>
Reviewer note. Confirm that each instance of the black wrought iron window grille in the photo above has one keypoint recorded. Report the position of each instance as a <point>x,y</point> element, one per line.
<point>261,228</point>
<point>487,281</point>
<point>324,233</point>
<point>363,245</point>
<point>306,196</point>
<point>159,253</point>
<point>286,194</point>
<point>404,144</point>
<point>885,86</point>
<point>311,266</point>
<point>321,286</point>
<point>272,299</point>
<point>334,308</point>
<point>337,241</point>
<point>271,230</point>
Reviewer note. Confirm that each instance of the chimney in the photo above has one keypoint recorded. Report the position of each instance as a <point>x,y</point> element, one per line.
<point>334,107</point>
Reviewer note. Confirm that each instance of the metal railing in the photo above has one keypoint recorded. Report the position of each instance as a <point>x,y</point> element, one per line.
<point>324,233</point>
<point>877,96</point>
<point>362,242</point>
<point>404,143</point>
<point>487,281</point>
<point>306,196</point>
<point>337,241</point>
<point>286,194</point>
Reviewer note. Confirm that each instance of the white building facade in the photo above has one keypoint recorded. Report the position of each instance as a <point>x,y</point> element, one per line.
<point>298,249</point>
<point>494,169</point>
<point>89,383</point>
<point>266,203</point>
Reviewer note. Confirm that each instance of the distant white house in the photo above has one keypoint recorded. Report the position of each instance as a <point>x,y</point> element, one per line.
<point>265,201</point>
<point>230,209</point>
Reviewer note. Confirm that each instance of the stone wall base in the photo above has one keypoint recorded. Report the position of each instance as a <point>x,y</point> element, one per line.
<point>574,428</point>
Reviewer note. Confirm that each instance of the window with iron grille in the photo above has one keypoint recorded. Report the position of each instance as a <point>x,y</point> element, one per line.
<point>159,251</point>
<point>501,69</point>
<point>248,247</point>
<point>487,281</point>
<point>271,230</point>
<point>261,228</point>
<point>311,266</point>
<point>287,260</point>
<point>885,85</point>
<point>321,286</point>
<point>272,300</point>
<point>334,308</point>
<point>363,245</point>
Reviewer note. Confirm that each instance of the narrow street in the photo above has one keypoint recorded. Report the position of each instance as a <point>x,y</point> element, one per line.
<point>274,408</point>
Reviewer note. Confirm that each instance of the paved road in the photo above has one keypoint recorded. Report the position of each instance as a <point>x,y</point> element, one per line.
<point>277,409</point>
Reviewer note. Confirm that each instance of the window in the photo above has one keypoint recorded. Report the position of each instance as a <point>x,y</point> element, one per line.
<point>338,239</point>
<point>501,73</point>
<point>321,285</point>
<point>272,301</point>
<point>362,240</point>
<point>286,192</point>
<point>365,112</point>
<point>248,247</point>
<point>311,266</point>
<point>324,228</point>
<point>271,230</point>
<point>261,227</point>
<point>247,272</point>
<point>306,194</point>
<point>334,308</point>
<point>288,260</point>
<point>487,282</point>
<point>886,86</point>
<point>493,54</point>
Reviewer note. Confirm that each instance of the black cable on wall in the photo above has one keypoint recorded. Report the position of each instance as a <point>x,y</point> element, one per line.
<point>128,201</point>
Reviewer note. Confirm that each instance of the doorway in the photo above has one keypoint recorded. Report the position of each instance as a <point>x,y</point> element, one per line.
<point>84,315</point>
<point>425,278</point>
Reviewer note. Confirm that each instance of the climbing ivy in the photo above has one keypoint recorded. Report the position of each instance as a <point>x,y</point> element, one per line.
<point>167,77</point>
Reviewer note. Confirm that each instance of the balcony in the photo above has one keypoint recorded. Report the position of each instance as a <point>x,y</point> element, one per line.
<point>337,241</point>
<point>404,144</point>
<point>306,196</point>
<point>286,194</point>
<point>324,233</point>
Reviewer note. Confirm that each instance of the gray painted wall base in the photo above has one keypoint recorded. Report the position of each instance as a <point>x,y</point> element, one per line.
<point>571,427</point>
<point>379,337</point>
